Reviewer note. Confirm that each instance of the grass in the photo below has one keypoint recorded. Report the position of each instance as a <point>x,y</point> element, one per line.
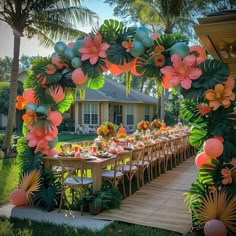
<point>14,226</point>
<point>8,178</point>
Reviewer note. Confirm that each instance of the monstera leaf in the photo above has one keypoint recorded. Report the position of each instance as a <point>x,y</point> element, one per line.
<point>229,151</point>
<point>93,71</point>
<point>168,40</point>
<point>198,134</point>
<point>145,65</point>
<point>110,30</point>
<point>117,54</point>
<point>96,83</point>
<point>66,81</point>
<point>213,72</point>
<point>192,93</point>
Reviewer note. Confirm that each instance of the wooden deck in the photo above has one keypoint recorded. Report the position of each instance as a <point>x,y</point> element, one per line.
<point>159,204</point>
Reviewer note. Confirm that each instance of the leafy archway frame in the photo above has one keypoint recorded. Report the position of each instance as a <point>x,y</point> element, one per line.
<point>51,86</point>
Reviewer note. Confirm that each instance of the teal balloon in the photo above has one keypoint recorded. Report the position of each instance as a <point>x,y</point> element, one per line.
<point>60,47</point>
<point>43,110</point>
<point>77,46</point>
<point>147,41</point>
<point>76,62</point>
<point>138,49</point>
<point>181,49</point>
<point>32,106</point>
<point>53,143</point>
<point>141,33</point>
<point>69,54</point>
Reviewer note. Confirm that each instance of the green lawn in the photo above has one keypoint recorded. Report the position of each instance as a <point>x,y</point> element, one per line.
<point>13,226</point>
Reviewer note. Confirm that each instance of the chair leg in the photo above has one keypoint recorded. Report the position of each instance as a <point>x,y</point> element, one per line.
<point>137,179</point>
<point>123,183</point>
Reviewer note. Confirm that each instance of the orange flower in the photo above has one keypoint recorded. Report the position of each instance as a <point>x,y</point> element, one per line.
<point>21,103</point>
<point>159,60</point>
<point>158,49</point>
<point>221,95</point>
<point>29,116</point>
<point>144,125</point>
<point>227,178</point>
<point>127,44</point>
<point>203,108</point>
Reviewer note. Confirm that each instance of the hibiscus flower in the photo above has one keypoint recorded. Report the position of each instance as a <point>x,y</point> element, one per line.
<point>93,48</point>
<point>182,71</point>
<point>21,103</point>
<point>227,178</point>
<point>221,95</point>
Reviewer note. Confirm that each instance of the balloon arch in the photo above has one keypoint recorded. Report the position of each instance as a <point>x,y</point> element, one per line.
<point>208,103</point>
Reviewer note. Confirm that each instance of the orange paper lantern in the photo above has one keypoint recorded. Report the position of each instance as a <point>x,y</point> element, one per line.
<point>201,159</point>
<point>18,197</point>
<point>213,147</point>
<point>215,228</point>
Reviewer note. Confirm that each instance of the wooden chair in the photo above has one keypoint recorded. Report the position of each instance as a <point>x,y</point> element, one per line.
<point>148,156</point>
<point>130,169</point>
<point>116,174</point>
<point>70,179</point>
<point>159,157</point>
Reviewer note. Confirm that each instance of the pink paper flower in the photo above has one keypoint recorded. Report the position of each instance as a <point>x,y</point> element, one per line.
<point>93,48</point>
<point>182,71</point>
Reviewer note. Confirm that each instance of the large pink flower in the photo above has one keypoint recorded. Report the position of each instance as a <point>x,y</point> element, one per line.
<point>182,71</point>
<point>93,48</point>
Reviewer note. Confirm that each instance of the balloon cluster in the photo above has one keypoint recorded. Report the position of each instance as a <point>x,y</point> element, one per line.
<point>142,40</point>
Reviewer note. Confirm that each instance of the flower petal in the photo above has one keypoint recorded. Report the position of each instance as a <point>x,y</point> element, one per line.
<point>210,94</point>
<point>93,60</point>
<point>219,88</point>
<point>195,73</point>
<point>186,83</point>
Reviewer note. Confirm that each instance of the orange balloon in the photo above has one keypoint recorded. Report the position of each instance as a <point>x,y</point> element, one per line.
<point>78,76</point>
<point>213,147</point>
<point>29,95</point>
<point>55,117</point>
<point>201,51</point>
<point>57,93</point>
<point>215,228</point>
<point>18,197</point>
<point>201,159</point>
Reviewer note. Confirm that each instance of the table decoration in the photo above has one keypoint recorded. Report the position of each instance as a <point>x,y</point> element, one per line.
<point>106,130</point>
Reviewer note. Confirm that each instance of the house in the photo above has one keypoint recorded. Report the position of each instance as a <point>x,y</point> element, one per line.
<point>110,103</point>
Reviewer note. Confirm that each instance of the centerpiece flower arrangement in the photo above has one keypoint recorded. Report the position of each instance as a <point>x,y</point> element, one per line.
<point>155,125</point>
<point>143,126</point>
<point>106,130</point>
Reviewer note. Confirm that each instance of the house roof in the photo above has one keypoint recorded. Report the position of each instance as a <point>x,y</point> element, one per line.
<point>113,91</point>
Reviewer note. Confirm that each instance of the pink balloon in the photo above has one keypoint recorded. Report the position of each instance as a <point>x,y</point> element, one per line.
<point>57,93</point>
<point>78,76</point>
<point>215,228</point>
<point>18,197</point>
<point>29,95</point>
<point>213,147</point>
<point>201,159</point>
<point>58,61</point>
<point>55,117</point>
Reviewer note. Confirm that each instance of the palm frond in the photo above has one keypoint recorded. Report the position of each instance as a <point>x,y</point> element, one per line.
<point>30,182</point>
<point>218,205</point>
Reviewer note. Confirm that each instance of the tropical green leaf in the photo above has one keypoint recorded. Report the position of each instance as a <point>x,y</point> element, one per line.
<point>192,93</point>
<point>96,83</point>
<point>198,134</point>
<point>65,104</point>
<point>93,71</point>
<point>213,72</point>
<point>117,54</point>
<point>110,29</point>
<point>229,151</point>
<point>66,81</point>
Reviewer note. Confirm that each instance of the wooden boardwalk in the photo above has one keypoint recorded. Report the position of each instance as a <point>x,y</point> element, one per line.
<point>159,204</point>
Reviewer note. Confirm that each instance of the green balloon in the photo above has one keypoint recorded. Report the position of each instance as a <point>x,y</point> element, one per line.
<point>181,49</point>
<point>147,41</point>
<point>53,143</point>
<point>141,33</point>
<point>69,54</point>
<point>77,46</point>
<point>32,106</point>
<point>60,47</point>
<point>137,49</point>
<point>43,110</point>
<point>76,62</point>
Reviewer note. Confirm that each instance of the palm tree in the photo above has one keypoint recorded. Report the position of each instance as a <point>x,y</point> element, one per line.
<point>49,20</point>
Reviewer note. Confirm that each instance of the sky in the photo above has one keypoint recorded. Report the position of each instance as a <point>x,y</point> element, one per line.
<point>31,47</point>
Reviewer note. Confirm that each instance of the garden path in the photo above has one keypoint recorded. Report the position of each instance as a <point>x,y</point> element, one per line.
<point>160,203</point>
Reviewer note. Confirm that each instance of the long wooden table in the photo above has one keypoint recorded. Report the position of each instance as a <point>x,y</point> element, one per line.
<point>95,165</point>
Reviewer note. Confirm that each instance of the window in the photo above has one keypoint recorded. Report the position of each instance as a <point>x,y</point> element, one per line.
<point>147,113</point>
<point>118,118</point>
<point>129,114</point>
<point>90,113</point>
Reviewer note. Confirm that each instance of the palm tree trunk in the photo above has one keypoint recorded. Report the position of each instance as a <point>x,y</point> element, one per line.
<point>13,93</point>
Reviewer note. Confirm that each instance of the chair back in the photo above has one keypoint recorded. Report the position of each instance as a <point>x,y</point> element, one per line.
<point>148,152</point>
<point>138,154</point>
<point>121,159</point>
